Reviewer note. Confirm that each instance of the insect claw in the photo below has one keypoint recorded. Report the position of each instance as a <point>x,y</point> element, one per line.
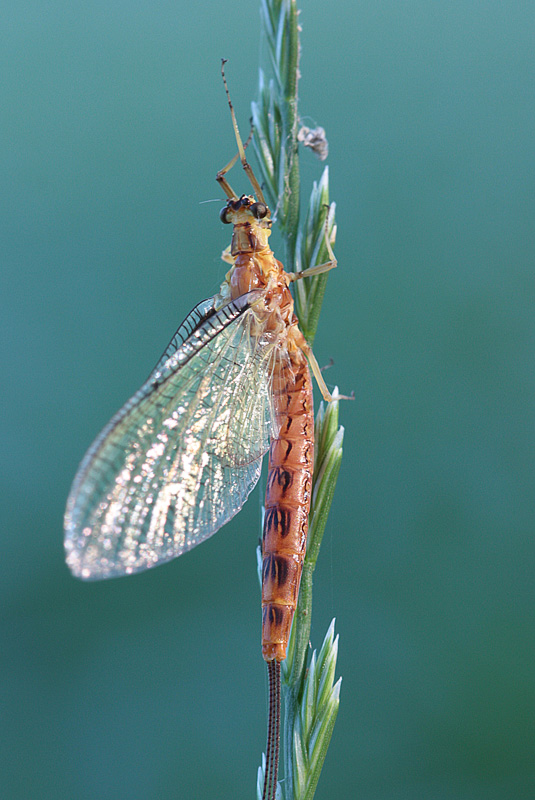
<point>337,396</point>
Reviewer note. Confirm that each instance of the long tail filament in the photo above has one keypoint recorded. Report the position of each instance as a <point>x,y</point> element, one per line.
<point>273,735</point>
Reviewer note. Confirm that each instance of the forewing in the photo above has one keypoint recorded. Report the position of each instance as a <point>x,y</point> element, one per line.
<point>196,317</point>
<point>181,457</point>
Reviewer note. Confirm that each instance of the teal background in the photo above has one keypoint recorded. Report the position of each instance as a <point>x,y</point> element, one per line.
<point>114,124</point>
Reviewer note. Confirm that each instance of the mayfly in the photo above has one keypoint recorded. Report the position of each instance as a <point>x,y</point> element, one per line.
<point>181,456</point>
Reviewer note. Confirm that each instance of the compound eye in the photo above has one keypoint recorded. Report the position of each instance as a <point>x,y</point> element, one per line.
<point>223,215</point>
<point>259,210</point>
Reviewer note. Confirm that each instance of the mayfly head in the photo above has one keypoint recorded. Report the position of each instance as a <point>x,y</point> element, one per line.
<point>244,209</point>
<point>252,223</point>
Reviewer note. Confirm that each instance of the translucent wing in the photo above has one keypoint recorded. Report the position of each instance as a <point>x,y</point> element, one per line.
<point>181,457</point>
<point>193,321</point>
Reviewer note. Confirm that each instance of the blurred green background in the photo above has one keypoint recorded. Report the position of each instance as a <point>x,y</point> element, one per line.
<point>114,123</point>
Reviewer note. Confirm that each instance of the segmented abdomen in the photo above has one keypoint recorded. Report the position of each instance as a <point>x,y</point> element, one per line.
<point>288,495</point>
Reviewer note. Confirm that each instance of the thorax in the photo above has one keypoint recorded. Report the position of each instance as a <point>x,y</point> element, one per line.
<point>261,270</point>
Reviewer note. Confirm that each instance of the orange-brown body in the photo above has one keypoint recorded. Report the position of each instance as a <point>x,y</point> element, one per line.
<point>288,494</point>
<point>291,455</point>
<point>291,452</point>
